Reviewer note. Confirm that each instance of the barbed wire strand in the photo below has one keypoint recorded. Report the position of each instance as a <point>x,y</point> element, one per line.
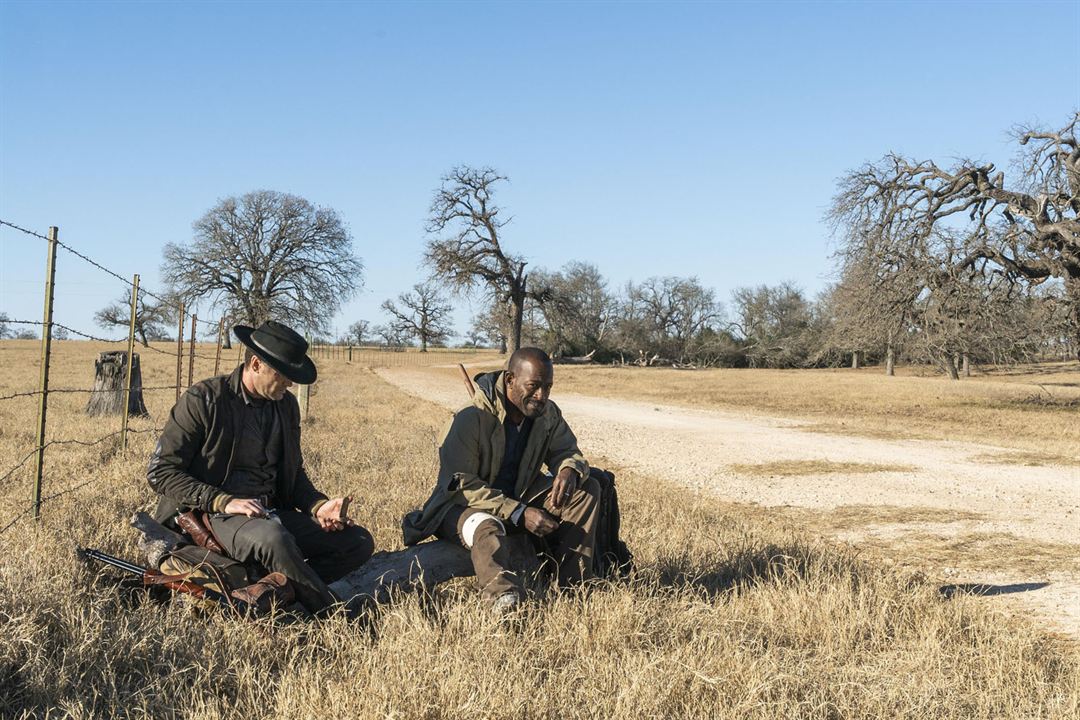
<point>34,393</point>
<point>22,229</point>
<point>39,323</point>
<point>65,491</point>
<point>106,270</point>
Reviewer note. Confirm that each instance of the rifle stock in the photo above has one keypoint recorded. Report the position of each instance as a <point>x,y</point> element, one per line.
<point>176,583</point>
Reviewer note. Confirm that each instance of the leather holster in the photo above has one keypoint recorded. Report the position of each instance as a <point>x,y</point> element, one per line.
<point>195,524</point>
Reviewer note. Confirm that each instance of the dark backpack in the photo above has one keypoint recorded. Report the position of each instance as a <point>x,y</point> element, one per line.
<point>611,557</point>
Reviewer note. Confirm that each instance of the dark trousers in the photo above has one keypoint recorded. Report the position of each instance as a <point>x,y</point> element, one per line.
<point>298,547</point>
<point>497,553</point>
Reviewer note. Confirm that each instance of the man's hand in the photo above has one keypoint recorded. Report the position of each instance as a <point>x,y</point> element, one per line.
<point>245,506</point>
<point>332,516</point>
<point>563,487</point>
<point>538,522</point>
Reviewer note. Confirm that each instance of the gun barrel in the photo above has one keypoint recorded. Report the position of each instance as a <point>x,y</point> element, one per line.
<point>171,582</point>
<point>110,560</point>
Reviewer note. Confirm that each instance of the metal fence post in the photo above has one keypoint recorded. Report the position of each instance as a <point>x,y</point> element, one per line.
<point>46,350</point>
<point>217,354</point>
<point>303,393</point>
<point>180,351</point>
<point>191,349</point>
<point>130,361</point>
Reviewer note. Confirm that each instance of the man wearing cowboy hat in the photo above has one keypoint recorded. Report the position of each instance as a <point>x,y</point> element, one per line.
<point>491,496</point>
<point>231,448</point>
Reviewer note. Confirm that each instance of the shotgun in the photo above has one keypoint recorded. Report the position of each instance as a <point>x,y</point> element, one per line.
<point>176,583</point>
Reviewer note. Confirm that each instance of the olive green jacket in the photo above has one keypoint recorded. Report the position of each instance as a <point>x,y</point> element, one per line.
<point>472,452</point>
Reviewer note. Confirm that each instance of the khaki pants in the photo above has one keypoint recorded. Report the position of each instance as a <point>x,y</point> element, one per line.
<point>500,557</point>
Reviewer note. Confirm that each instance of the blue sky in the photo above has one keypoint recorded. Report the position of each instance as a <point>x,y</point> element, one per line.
<point>649,139</point>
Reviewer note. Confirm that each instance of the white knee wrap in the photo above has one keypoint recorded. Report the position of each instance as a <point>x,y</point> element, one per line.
<point>468,528</point>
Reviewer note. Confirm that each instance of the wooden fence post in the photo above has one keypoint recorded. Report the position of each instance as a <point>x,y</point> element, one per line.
<point>191,349</point>
<point>130,360</point>
<point>46,350</point>
<point>180,351</point>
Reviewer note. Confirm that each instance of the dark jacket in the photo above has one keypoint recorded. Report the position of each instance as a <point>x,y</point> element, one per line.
<point>194,454</point>
<point>472,452</point>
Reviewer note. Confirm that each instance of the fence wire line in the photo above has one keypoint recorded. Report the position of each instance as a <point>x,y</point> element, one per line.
<point>85,443</point>
<point>106,270</point>
<point>65,491</point>
<point>22,229</point>
<point>151,348</point>
<point>33,393</point>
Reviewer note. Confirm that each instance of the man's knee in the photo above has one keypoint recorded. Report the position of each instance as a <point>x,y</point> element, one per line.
<point>481,529</point>
<point>270,540</point>
<point>357,544</point>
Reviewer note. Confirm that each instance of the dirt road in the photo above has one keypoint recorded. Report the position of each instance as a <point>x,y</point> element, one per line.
<point>1014,510</point>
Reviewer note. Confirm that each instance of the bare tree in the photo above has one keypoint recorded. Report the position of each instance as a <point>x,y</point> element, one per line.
<point>666,318</point>
<point>422,314</point>
<point>267,255</point>
<point>473,255</point>
<point>872,306</point>
<point>577,309</point>
<point>776,324</point>
<point>5,327</point>
<point>1027,229</point>
<point>390,335</point>
<point>492,326</point>
<point>357,332</point>
<point>152,317</point>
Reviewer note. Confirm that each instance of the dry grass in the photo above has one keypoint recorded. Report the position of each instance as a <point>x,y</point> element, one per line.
<point>1030,459</point>
<point>1032,409</point>
<point>731,615</point>
<point>795,468</point>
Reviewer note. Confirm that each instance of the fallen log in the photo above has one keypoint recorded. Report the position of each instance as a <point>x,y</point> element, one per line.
<point>420,567</point>
<point>575,359</point>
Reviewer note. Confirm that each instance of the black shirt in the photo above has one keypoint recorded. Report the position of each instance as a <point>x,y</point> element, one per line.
<point>517,437</point>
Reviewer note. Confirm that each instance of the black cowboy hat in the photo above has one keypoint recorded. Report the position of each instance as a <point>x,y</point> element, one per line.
<point>281,347</point>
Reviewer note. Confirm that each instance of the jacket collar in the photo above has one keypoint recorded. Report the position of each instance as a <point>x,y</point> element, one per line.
<point>490,396</point>
<point>235,380</point>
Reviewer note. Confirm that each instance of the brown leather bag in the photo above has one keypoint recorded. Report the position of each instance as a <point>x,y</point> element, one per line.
<point>194,523</point>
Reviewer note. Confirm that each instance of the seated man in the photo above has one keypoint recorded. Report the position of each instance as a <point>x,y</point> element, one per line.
<point>490,491</point>
<point>231,448</point>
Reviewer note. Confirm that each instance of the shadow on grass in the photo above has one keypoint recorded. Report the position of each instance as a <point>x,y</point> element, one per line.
<point>743,568</point>
<point>986,590</point>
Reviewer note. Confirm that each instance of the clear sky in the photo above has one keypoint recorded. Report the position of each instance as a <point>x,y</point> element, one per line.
<point>649,139</point>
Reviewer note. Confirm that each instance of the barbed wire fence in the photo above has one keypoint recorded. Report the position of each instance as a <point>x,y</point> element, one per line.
<point>187,321</point>
<point>49,331</point>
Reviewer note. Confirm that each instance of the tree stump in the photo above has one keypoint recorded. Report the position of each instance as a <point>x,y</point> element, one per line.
<point>107,398</point>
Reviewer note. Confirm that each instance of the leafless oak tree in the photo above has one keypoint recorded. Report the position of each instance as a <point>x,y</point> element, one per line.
<point>267,255</point>
<point>473,255</point>
<point>358,331</point>
<point>775,324</point>
<point>422,314</point>
<point>1028,229</point>
<point>666,318</point>
<point>577,310</point>
<point>151,317</point>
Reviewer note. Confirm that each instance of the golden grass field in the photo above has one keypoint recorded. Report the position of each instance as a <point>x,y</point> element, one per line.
<point>1033,409</point>
<point>735,611</point>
